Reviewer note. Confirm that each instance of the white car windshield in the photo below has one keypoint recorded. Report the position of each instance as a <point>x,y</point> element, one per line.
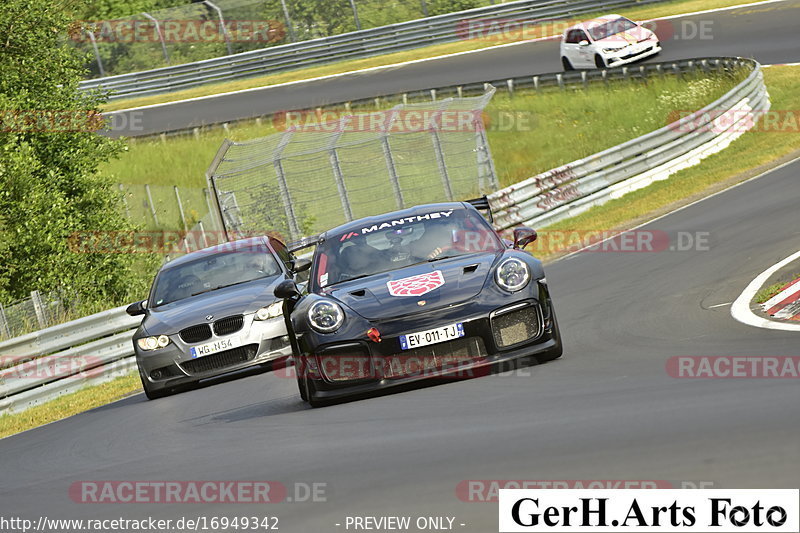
<point>610,28</point>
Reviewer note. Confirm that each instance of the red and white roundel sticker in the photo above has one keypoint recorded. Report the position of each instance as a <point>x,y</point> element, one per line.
<point>416,285</point>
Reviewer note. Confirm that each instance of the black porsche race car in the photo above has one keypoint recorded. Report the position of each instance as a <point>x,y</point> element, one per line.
<point>421,293</point>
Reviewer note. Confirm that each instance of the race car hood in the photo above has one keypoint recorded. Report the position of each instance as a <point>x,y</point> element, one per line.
<point>631,36</point>
<point>236,300</point>
<point>447,282</point>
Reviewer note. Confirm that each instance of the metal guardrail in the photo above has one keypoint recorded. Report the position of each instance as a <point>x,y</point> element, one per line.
<point>40,366</point>
<point>554,80</point>
<point>382,40</point>
<point>575,187</point>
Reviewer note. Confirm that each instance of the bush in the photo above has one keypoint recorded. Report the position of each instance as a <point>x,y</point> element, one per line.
<point>50,188</point>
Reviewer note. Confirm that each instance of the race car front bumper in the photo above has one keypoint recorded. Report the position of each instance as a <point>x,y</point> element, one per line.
<point>259,342</point>
<point>632,53</point>
<point>492,335</point>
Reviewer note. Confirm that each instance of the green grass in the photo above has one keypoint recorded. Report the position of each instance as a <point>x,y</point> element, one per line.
<point>754,152</point>
<point>70,404</point>
<point>638,13</point>
<point>549,129</point>
<point>766,293</point>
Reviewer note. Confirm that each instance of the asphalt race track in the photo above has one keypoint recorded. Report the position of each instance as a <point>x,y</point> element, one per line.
<point>767,32</point>
<point>607,410</point>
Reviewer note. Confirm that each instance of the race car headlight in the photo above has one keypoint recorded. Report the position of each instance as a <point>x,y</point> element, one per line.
<point>612,50</point>
<point>152,343</point>
<point>325,316</point>
<point>512,274</point>
<point>273,310</point>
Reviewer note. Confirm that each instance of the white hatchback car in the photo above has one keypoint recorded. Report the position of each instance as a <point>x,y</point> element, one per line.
<point>606,42</point>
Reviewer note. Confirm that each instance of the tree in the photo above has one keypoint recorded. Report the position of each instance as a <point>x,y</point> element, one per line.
<point>440,7</point>
<point>50,188</point>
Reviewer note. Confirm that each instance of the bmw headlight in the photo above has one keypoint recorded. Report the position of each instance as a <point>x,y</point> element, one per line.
<point>512,274</point>
<point>325,316</point>
<point>273,310</point>
<point>152,343</point>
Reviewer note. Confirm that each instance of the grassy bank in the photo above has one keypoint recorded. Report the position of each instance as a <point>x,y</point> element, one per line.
<point>753,153</point>
<point>637,13</point>
<point>528,134</point>
<point>69,404</point>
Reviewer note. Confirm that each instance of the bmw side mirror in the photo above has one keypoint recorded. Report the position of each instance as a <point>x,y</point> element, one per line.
<point>137,308</point>
<point>287,290</point>
<point>523,236</point>
<point>301,265</point>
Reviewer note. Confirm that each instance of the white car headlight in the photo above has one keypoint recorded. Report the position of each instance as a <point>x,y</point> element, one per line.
<point>612,50</point>
<point>512,274</point>
<point>325,316</point>
<point>152,343</point>
<point>273,310</point>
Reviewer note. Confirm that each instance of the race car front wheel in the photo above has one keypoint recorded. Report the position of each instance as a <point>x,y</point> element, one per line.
<point>599,62</point>
<point>150,392</point>
<point>556,351</point>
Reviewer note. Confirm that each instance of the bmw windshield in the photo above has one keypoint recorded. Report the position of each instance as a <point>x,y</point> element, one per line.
<point>211,272</point>
<point>395,243</point>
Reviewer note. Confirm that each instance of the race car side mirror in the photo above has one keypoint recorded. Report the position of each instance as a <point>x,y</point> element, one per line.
<point>523,237</point>
<point>137,308</point>
<point>286,290</point>
<point>301,265</point>
<point>583,43</point>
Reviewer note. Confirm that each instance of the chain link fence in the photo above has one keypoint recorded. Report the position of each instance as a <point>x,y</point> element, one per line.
<point>215,28</point>
<point>317,175</point>
<point>30,314</point>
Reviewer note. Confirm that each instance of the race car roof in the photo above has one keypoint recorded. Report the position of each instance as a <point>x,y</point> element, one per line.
<point>250,243</point>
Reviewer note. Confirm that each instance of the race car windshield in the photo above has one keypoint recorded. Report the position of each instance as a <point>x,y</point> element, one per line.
<point>212,272</point>
<point>610,28</point>
<point>397,243</point>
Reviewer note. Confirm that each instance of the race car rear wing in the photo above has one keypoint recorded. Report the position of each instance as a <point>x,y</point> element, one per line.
<point>305,242</point>
<point>482,204</point>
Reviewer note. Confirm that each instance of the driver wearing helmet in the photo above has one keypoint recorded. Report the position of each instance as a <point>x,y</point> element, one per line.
<point>436,242</point>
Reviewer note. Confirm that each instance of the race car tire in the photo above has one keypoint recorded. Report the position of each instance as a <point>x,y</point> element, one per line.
<point>149,392</point>
<point>301,386</point>
<point>310,392</point>
<point>556,352</point>
<point>567,65</point>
